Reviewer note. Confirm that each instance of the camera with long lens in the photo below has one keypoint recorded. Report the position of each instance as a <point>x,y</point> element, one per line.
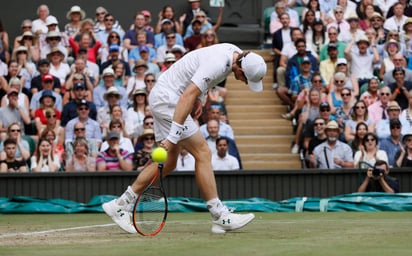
<point>376,171</point>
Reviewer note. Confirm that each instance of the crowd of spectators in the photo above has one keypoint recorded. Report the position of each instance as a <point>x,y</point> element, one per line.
<point>74,90</point>
<point>357,55</point>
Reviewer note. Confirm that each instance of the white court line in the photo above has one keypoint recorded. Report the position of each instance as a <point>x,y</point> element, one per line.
<point>55,230</point>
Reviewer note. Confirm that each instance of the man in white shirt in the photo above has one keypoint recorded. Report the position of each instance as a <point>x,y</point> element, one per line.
<point>222,161</point>
<point>397,20</point>
<point>177,94</point>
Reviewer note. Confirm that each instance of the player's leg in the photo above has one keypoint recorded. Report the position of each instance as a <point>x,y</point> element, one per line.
<point>223,219</point>
<point>120,209</point>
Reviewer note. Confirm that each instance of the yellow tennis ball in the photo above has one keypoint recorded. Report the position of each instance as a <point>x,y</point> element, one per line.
<point>159,155</point>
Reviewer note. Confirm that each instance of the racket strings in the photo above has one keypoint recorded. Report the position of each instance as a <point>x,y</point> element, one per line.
<point>150,211</point>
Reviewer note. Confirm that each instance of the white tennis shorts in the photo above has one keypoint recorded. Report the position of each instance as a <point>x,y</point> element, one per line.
<point>163,105</point>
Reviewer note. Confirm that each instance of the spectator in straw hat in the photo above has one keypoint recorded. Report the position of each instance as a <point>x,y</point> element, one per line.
<point>58,67</point>
<point>142,157</point>
<point>75,15</point>
<point>99,91</point>
<point>383,126</point>
<point>354,29</point>
<point>53,40</point>
<point>332,154</point>
<point>104,114</point>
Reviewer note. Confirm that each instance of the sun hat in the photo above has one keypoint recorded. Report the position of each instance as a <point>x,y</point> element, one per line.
<point>51,20</point>
<point>254,68</point>
<point>170,57</point>
<point>112,90</point>
<point>146,133</point>
<point>332,125</point>
<point>74,9</point>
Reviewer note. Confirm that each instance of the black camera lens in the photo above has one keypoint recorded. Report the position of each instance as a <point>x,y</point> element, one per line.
<point>377,171</point>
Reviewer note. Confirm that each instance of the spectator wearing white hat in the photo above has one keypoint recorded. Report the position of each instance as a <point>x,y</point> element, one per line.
<point>53,25</point>
<point>28,40</point>
<point>75,15</point>
<point>39,25</point>
<point>108,77</point>
<point>53,39</point>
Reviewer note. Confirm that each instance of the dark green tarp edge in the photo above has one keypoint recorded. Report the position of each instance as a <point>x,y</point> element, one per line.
<point>360,202</point>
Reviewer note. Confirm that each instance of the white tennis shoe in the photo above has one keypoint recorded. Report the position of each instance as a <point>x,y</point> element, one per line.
<point>230,222</point>
<point>120,216</point>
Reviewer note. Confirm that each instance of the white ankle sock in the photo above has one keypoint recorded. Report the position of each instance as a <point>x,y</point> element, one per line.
<point>216,208</point>
<point>127,199</point>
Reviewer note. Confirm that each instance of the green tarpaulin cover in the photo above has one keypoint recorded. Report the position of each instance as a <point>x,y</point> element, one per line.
<point>365,202</point>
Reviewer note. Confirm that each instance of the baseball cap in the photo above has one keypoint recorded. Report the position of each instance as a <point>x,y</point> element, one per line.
<point>79,86</point>
<point>43,62</point>
<point>47,77</point>
<point>324,105</point>
<point>143,48</point>
<point>341,61</point>
<point>47,93</point>
<point>254,68</point>
<point>166,21</point>
<point>82,102</point>
<point>146,13</point>
<point>114,48</point>
<point>305,60</point>
<point>113,135</point>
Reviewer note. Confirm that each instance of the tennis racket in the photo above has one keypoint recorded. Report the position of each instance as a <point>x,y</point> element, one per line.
<point>150,209</point>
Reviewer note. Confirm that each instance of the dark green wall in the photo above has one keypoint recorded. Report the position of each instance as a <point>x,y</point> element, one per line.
<point>236,12</point>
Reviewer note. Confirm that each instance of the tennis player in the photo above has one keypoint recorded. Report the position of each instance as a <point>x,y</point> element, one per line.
<point>175,102</point>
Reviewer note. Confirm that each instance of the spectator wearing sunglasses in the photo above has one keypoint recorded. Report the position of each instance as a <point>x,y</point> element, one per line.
<point>79,131</point>
<point>370,153</point>
<point>142,157</point>
<point>393,143</point>
<point>332,154</point>
<point>92,127</point>
<point>383,126</point>
<point>377,110</point>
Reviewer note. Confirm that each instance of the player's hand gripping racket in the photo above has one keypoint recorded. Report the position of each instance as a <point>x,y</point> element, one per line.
<point>150,209</point>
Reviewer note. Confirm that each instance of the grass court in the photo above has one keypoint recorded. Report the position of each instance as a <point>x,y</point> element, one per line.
<point>307,233</point>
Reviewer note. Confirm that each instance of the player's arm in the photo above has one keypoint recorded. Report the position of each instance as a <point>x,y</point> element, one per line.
<point>186,103</point>
<point>183,108</point>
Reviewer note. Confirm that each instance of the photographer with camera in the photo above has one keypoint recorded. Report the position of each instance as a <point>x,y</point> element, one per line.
<point>378,180</point>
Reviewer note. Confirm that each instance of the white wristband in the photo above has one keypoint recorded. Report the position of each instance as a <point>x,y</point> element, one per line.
<point>176,131</point>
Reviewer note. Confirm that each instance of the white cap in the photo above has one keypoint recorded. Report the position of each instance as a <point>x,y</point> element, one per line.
<point>50,20</point>
<point>341,61</point>
<point>254,68</point>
